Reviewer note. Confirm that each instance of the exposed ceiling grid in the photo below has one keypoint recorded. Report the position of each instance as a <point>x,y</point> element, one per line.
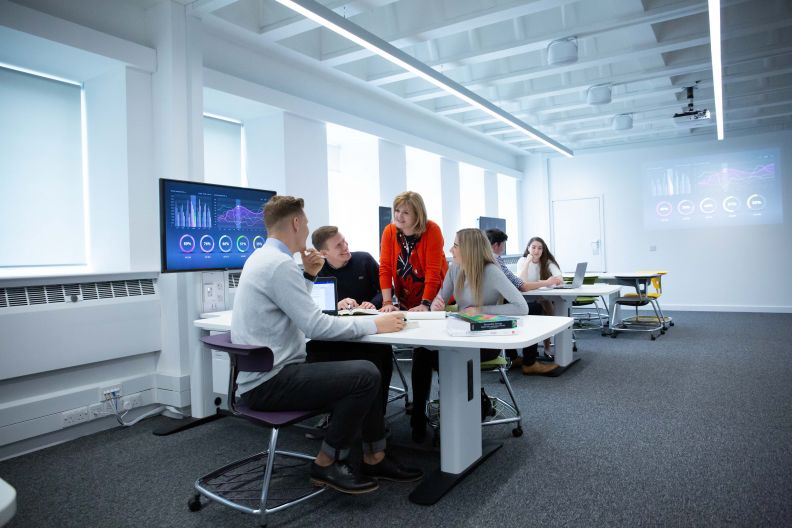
<point>647,51</point>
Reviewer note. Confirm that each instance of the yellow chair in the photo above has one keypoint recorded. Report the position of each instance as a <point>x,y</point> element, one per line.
<point>653,296</point>
<point>636,323</point>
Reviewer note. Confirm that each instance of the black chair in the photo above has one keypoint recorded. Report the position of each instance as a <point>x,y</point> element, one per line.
<point>246,485</point>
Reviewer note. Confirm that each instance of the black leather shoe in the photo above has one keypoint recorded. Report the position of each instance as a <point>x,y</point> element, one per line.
<point>340,477</point>
<point>389,469</point>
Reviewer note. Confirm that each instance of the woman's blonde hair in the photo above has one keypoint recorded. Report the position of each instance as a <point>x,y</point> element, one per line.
<point>414,201</point>
<point>475,252</point>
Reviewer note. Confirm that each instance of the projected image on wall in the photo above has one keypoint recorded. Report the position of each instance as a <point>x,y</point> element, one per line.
<point>740,188</point>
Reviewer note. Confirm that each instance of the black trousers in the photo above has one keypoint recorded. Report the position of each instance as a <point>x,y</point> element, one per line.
<point>348,389</point>
<point>380,355</point>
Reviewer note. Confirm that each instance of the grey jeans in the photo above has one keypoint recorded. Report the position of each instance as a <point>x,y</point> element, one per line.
<point>348,389</point>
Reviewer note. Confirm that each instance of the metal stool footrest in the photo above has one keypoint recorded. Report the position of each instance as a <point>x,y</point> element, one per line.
<point>238,485</point>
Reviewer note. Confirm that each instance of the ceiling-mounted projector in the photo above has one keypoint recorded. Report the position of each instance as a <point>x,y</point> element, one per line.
<point>690,116</point>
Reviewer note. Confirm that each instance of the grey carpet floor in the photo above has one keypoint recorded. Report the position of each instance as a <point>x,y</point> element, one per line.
<point>694,429</point>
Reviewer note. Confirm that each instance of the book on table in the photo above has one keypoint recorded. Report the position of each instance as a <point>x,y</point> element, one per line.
<point>359,311</point>
<point>481,324</point>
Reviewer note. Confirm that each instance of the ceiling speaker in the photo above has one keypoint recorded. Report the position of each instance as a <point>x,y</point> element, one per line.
<point>562,51</point>
<point>622,122</point>
<point>598,94</point>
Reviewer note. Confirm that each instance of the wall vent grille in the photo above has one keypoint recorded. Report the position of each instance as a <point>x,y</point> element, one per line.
<point>233,279</point>
<point>87,291</point>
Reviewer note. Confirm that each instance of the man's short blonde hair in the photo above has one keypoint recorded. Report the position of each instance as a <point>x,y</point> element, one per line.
<point>280,207</point>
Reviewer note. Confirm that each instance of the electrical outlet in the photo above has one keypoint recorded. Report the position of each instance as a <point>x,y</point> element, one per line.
<point>75,416</point>
<point>97,410</point>
<point>109,393</point>
<point>130,402</point>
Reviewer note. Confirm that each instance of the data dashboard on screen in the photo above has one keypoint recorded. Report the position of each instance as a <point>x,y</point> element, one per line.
<point>738,188</point>
<point>208,227</point>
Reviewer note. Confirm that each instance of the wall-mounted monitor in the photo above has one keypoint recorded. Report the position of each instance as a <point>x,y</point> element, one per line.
<point>492,222</point>
<point>209,227</point>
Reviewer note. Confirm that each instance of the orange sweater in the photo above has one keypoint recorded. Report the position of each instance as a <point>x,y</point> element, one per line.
<point>428,260</point>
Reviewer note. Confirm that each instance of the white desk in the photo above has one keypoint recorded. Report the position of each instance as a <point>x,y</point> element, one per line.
<point>7,502</point>
<point>461,448</point>
<point>563,298</point>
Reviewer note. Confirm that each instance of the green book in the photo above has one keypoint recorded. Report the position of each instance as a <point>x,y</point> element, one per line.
<point>480,322</point>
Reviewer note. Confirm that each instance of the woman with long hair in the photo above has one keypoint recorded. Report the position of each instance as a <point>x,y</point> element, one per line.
<point>541,270</point>
<point>411,256</point>
<point>539,267</point>
<point>479,286</point>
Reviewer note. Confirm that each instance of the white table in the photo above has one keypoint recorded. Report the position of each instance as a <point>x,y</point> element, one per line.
<point>461,448</point>
<point>7,502</point>
<point>563,298</point>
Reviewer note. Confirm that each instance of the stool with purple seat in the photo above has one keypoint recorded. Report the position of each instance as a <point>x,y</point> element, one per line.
<point>246,485</point>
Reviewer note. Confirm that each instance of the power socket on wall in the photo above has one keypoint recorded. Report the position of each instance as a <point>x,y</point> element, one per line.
<point>75,416</point>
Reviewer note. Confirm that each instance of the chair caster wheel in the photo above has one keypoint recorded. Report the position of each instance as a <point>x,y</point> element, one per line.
<point>662,332</point>
<point>194,504</point>
<point>518,432</point>
<point>604,334</point>
<point>613,335</point>
<point>671,323</point>
<point>653,337</point>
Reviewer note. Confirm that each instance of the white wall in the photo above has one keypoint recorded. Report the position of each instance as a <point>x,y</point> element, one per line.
<point>717,268</point>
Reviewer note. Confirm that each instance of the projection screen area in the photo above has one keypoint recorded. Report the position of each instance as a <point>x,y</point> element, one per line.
<point>739,188</point>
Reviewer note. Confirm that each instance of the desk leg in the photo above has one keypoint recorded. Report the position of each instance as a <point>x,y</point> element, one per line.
<point>461,448</point>
<point>202,406</point>
<point>564,357</point>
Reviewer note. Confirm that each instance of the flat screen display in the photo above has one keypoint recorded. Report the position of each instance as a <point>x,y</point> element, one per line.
<point>736,188</point>
<point>209,227</point>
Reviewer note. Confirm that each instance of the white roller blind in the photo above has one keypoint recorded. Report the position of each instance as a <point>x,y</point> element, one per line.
<point>471,195</point>
<point>507,208</point>
<point>353,186</point>
<point>222,152</point>
<point>423,177</point>
<point>41,181</point>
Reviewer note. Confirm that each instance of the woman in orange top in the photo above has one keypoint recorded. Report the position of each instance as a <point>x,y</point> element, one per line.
<point>411,256</point>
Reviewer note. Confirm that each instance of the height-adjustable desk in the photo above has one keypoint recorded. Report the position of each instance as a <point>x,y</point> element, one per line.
<point>461,448</point>
<point>563,298</point>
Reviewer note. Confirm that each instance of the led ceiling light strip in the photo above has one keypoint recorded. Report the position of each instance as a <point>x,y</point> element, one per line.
<point>340,25</point>
<point>717,74</point>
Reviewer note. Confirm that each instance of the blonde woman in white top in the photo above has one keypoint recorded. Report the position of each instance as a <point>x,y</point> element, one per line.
<point>541,270</point>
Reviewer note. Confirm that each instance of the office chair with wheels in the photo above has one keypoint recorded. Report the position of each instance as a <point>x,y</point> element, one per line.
<point>397,393</point>
<point>654,296</point>
<point>247,484</point>
<point>637,323</point>
<point>495,411</point>
<point>589,312</point>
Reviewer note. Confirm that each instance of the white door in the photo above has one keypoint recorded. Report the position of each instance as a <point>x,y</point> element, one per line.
<point>577,233</point>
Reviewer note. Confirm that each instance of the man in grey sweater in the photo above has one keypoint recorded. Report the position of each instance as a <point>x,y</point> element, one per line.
<point>273,308</point>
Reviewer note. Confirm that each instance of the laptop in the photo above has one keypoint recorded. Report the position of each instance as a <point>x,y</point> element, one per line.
<point>325,294</point>
<point>577,282</point>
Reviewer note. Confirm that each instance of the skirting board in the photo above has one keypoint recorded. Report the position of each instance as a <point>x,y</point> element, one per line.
<point>29,424</point>
<point>719,308</point>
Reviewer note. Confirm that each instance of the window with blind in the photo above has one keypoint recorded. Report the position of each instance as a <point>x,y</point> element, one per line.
<point>223,152</point>
<point>42,199</point>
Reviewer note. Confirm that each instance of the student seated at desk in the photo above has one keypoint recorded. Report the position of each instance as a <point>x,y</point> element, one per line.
<point>539,269</point>
<point>479,286</point>
<point>357,279</point>
<point>273,308</point>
